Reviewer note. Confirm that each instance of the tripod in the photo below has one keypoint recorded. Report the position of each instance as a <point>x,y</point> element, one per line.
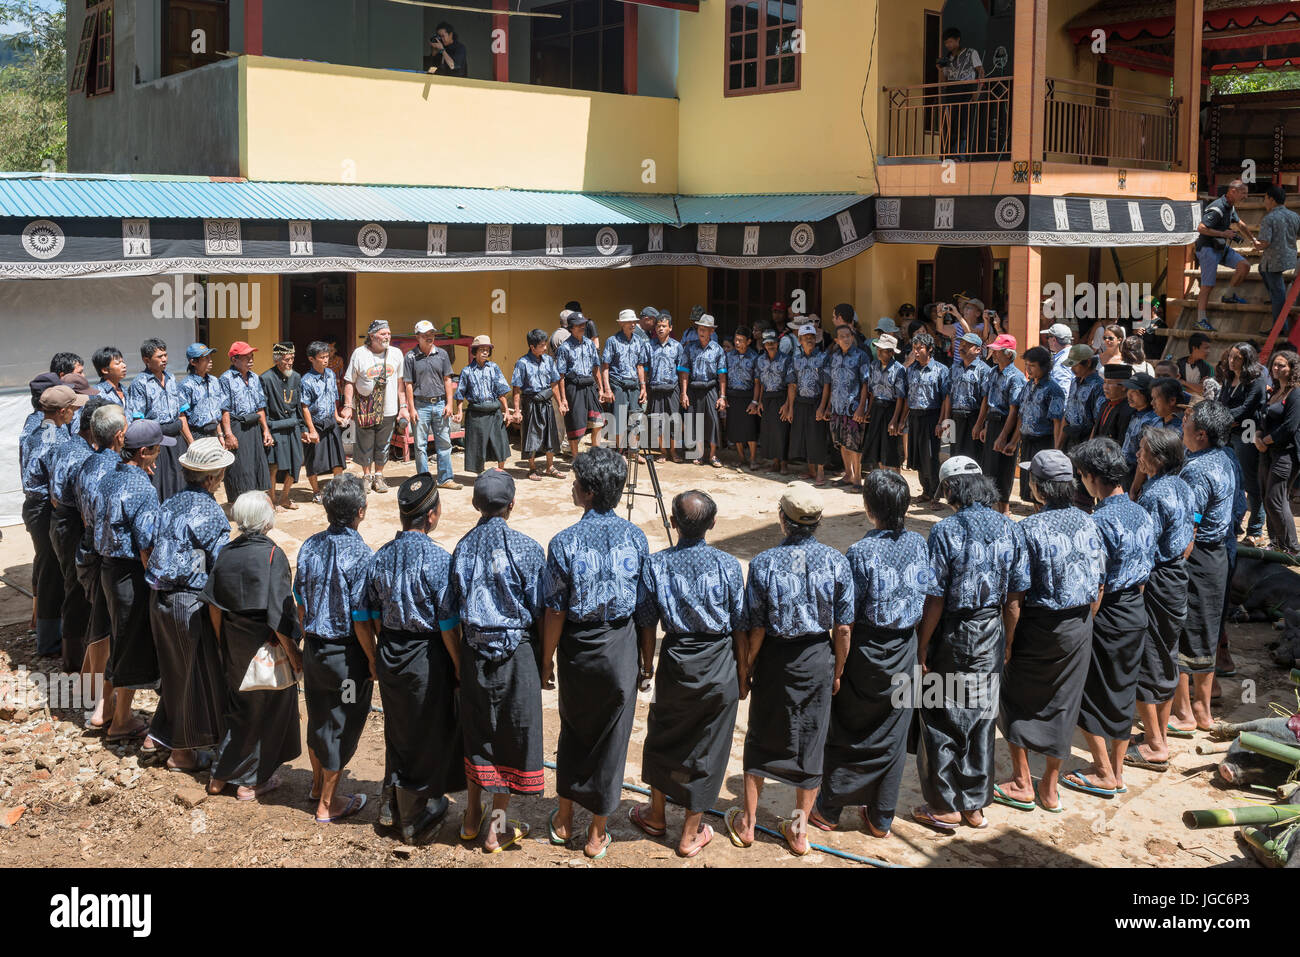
<point>633,463</point>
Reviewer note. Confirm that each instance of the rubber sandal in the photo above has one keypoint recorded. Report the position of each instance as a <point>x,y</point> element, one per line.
<point>871,828</point>
<point>1225,672</point>
<point>1084,786</point>
<point>732,814</point>
<point>1001,797</point>
<point>133,735</point>
<point>1038,799</point>
<point>355,804</point>
<point>715,463</point>
<point>708,836</point>
<point>603,848</point>
<point>819,822</point>
<point>1133,758</point>
<point>553,472</point>
<point>271,784</point>
<point>634,815</point>
<point>550,828</point>
<point>482,815</point>
<point>981,826</point>
<point>925,817</point>
<point>1178,732</point>
<point>202,761</point>
<point>518,831</point>
<point>534,476</point>
<point>786,827</point>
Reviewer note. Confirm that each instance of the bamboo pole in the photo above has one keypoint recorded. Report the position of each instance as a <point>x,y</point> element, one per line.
<point>1265,555</point>
<point>1233,816</point>
<point>1269,748</point>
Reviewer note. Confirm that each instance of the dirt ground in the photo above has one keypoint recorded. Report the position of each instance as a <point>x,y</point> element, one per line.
<point>84,803</point>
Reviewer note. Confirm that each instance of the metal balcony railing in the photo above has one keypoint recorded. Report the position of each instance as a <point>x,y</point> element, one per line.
<point>1104,125</point>
<point>950,120</point>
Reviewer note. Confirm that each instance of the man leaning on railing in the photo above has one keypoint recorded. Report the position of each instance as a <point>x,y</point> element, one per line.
<point>962,85</point>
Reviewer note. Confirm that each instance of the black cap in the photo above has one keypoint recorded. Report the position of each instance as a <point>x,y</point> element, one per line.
<point>576,318</point>
<point>417,495</point>
<point>42,382</point>
<point>493,491</point>
<point>1140,382</point>
<point>1117,372</point>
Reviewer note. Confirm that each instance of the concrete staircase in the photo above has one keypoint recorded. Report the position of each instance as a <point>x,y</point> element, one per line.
<point>1233,322</point>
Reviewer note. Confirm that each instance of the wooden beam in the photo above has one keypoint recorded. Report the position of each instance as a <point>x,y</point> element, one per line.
<point>253,27</point>
<point>629,47</point>
<point>501,57</point>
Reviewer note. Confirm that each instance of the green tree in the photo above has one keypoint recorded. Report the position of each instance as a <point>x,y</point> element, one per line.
<point>33,88</point>
<point>1260,81</point>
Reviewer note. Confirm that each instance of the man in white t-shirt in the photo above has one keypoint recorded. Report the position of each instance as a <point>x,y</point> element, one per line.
<point>375,365</point>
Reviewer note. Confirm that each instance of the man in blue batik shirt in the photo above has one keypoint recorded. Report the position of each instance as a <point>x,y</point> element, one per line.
<point>155,394</point>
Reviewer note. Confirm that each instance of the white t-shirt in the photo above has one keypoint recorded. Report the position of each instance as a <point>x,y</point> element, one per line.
<point>366,366</point>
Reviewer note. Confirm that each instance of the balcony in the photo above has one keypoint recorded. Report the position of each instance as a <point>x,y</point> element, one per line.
<point>1105,126</point>
<point>937,121</point>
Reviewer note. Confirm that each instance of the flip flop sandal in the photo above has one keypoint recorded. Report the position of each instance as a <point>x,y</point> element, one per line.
<point>715,463</point>
<point>708,836</point>
<point>786,828</point>
<point>1178,732</point>
<point>732,833</point>
<point>1225,672</point>
<point>871,828</point>
<point>132,735</point>
<point>534,476</point>
<point>634,815</point>
<point>553,472</point>
<point>1084,786</point>
<point>925,817</point>
<point>550,828</point>
<point>1133,758</point>
<point>819,822</point>
<point>981,826</point>
<point>202,761</point>
<point>518,831</point>
<point>271,784</point>
<point>355,804</point>
<point>464,836</point>
<point>1038,799</point>
<point>1001,797</point>
<point>603,848</point>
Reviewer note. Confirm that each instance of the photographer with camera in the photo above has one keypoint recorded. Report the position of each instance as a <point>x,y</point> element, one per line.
<point>448,52</point>
<point>962,84</point>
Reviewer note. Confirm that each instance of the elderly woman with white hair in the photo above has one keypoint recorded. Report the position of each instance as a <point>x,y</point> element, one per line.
<point>250,598</point>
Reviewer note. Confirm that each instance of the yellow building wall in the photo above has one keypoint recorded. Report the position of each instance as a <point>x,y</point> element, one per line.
<point>325,123</point>
<point>808,140</point>
<point>264,334</point>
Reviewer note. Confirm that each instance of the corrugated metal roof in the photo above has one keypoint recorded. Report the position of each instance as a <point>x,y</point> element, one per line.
<point>180,197</point>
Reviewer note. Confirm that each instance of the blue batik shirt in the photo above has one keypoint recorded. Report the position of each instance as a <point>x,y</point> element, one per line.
<point>191,531</point>
<point>800,587</point>
<point>1128,537</point>
<point>1061,555</point>
<point>89,483</point>
<point>623,355</point>
<point>576,358</point>
<point>482,383</point>
<point>496,588</point>
<point>533,375</point>
<point>243,396</point>
<point>889,382</point>
<point>662,360</point>
<point>128,513</point>
<point>31,424</point>
<point>151,399</point>
<point>320,394</point>
<point>809,374</point>
<point>704,363</point>
<point>1133,436</point>
<point>1005,388</point>
<point>775,374</point>
<point>1168,500</point>
<point>976,560</point>
<point>333,569</point>
<point>593,569</point>
<point>891,575</point>
<point>1061,373</point>
<point>36,450</point>
<point>64,463</point>
<point>1084,403</point>
<point>966,385</point>
<point>740,371</point>
<point>1210,476</point>
<point>1239,503</point>
<point>408,583</point>
<point>122,401</point>
<point>926,385</point>
<point>846,370</point>
<point>205,397</point>
<point>693,588</point>
<point>1041,404</point>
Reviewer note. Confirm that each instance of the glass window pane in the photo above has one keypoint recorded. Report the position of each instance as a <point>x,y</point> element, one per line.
<point>586,14</point>
<point>586,61</point>
<point>751,46</point>
<point>751,15</point>
<point>790,12</point>
<point>733,78</point>
<point>612,12</point>
<point>736,19</point>
<point>735,48</point>
<point>611,61</point>
<point>787,69</point>
<point>751,76</point>
<point>772,71</point>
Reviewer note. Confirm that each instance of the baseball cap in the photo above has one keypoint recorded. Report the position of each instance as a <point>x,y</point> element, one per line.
<point>58,397</point>
<point>142,433</point>
<point>79,384</point>
<point>650,311</point>
<point>1050,465</point>
<point>1060,332</point>
<point>808,329</point>
<point>778,306</point>
<point>1140,382</point>
<point>886,342</point>
<point>197,350</point>
<point>972,338</point>
<point>417,494</point>
<point>493,490</point>
<point>206,455</point>
<point>1079,353</point>
<point>43,382</point>
<point>423,326</point>
<point>801,503</point>
<point>576,318</point>
<point>958,465</point>
<point>241,348</point>
<point>1004,341</point>
<point>769,335</point>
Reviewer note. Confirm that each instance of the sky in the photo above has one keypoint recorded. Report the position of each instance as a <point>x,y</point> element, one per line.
<point>9,27</point>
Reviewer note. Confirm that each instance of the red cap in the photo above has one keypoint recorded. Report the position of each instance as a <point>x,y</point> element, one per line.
<point>778,305</point>
<point>241,348</point>
<point>1004,341</point>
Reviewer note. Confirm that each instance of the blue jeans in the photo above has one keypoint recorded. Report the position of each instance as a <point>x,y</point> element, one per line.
<point>1276,287</point>
<point>431,417</point>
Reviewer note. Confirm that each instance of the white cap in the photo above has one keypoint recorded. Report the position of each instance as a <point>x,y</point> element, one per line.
<point>423,326</point>
<point>627,315</point>
<point>808,329</point>
<point>1060,332</point>
<point>958,465</point>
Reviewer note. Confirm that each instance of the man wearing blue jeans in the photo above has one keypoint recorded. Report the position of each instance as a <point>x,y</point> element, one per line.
<point>1277,236</point>
<point>1220,225</point>
<point>426,377</point>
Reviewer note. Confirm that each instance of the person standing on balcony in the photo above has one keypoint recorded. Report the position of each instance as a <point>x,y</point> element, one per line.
<point>1277,236</point>
<point>430,395</point>
<point>962,83</point>
<point>1219,224</point>
<point>372,383</point>
<point>448,52</point>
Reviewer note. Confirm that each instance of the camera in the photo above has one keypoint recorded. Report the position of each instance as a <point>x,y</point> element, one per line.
<point>943,62</point>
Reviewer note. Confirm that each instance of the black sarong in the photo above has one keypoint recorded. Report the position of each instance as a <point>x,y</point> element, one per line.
<point>954,742</point>
<point>1031,445</point>
<point>597,667</point>
<point>706,425</point>
<point>485,436</point>
<point>47,574</point>
<point>424,748</point>
<point>1110,694</point>
<point>1166,599</point>
<point>923,448</point>
<point>626,407</point>
<point>66,531</point>
<point>167,477</point>
<point>741,426</point>
<point>809,437</point>
<point>963,440</point>
<point>323,457</point>
<point>881,448</point>
<point>1042,684</point>
<point>99,626</point>
<point>790,709</point>
<point>337,686</point>
<point>692,717</point>
<point>663,402</point>
<point>284,419</point>
<point>133,661</point>
<point>1207,575</point>
<point>501,712</point>
<point>192,694</point>
<point>540,432</point>
<point>249,470</point>
<point>584,406</point>
<point>773,431</point>
<point>866,746</point>
<point>1001,468</point>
